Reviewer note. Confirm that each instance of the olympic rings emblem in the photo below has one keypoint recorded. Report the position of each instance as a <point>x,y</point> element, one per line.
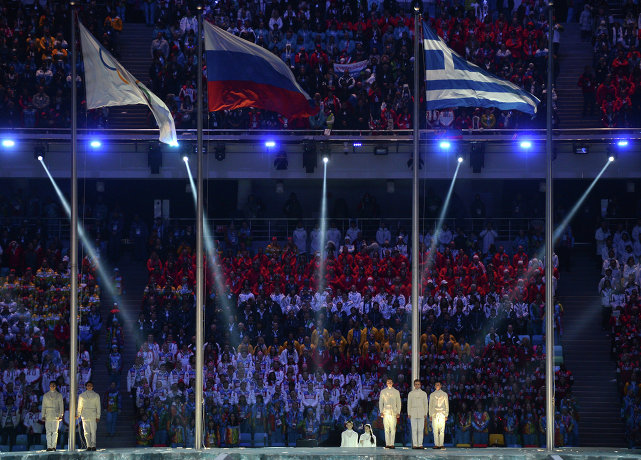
<point>112,68</point>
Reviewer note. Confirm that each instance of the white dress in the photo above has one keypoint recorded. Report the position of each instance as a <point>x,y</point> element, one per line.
<point>349,438</point>
<point>366,440</point>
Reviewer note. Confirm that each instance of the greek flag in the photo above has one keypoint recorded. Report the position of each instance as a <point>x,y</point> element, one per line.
<point>451,81</point>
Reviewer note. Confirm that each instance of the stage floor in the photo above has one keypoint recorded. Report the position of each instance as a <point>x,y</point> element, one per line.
<point>331,453</point>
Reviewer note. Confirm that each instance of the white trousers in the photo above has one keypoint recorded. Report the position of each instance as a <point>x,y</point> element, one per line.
<point>89,426</point>
<point>418,425</point>
<point>51,427</point>
<point>438,427</point>
<point>389,423</point>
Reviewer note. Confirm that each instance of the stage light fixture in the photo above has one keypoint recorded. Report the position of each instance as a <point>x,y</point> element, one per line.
<point>270,144</point>
<point>186,158</point>
<point>357,144</point>
<point>8,143</point>
<point>219,152</point>
<point>525,145</point>
<point>325,158</point>
<point>95,144</point>
<point>459,159</point>
<point>444,145</point>
<point>154,158</point>
<point>39,152</point>
<point>611,158</point>
<point>622,143</point>
<point>309,156</point>
<point>281,162</point>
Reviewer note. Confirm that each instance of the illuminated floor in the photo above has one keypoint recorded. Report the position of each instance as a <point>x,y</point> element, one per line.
<point>331,453</point>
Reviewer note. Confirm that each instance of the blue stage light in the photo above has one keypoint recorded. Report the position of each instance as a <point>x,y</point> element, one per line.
<point>95,144</point>
<point>444,145</point>
<point>525,144</point>
<point>622,142</point>
<point>270,144</point>
<point>8,143</point>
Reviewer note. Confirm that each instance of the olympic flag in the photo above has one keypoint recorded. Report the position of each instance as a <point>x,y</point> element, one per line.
<point>109,84</point>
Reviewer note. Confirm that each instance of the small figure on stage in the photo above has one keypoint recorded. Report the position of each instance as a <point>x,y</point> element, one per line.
<point>89,411</point>
<point>417,408</point>
<point>389,406</point>
<point>367,439</point>
<point>439,410</point>
<point>53,409</point>
<point>349,437</point>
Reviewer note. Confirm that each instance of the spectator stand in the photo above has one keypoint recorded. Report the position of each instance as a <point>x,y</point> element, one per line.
<point>481,321</point>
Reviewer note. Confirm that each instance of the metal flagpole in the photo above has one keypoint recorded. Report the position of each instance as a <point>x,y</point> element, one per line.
<point>73,246</point>
<point>200,288</point>
<point>415,163</point>
<point>549,294</point>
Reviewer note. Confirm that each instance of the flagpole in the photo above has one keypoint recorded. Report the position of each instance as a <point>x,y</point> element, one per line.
<point>416,164</point>
<point>549,294</point>
<point>198,432</point>
<point>73,246</point>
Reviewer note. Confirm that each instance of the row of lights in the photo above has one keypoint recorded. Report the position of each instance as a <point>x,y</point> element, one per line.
<point>8,143</point>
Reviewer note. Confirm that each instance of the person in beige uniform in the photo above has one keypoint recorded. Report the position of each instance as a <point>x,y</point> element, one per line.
<point>53,409</point>
<point>89,411</point>
<point>417,408</point>
<point>439,410</point>
<point>389,406</point>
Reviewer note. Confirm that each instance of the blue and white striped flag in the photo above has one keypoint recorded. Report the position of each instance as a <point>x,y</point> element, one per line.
<point>451,81</point>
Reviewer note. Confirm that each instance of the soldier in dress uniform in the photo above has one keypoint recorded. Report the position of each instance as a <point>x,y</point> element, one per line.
<point>89,411</point>
<point>53,409</point>
<point>389,406</point>
<point>439,410</point>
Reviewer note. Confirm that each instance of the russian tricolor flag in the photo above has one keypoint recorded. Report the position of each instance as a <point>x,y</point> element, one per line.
<point>242,74</point>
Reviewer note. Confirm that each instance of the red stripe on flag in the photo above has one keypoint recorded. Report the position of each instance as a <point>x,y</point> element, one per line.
<point>228,95</point>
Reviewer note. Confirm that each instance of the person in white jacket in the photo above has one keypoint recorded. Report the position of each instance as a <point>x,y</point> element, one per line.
<point>53,409</point>
<point>417,408</point>
<point>349,437</point>
<point>367,439</point>
<point>389,406</point>
<point>439,409</point>
<point>89,412</point>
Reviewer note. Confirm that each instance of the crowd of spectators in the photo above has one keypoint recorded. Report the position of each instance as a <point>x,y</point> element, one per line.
<point>34,323</point>
<point>612,84</point>
<point>35,61</point>
<point>620,253</point>
<point>375,41</point>
<point>291,353</point>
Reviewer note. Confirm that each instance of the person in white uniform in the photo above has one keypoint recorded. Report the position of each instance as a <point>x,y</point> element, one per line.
<point>349,437</point>
<point>439,407</point>
<point>417,408</point>
<point>389,406</point>
<point>89,411</point>
<point>53,409</point>
<point>367,439</point>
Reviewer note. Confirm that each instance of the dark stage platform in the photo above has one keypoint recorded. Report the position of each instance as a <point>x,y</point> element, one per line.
<point>331,453</point>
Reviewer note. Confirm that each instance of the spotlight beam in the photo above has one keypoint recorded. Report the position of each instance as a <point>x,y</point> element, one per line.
<point>209,246</point>
<point>105,278</point>
<point>441,217</point>
<point>568,218</point>
<point>323,233</point>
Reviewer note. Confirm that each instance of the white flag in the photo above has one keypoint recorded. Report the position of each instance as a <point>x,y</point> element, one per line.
<point>108,84</point>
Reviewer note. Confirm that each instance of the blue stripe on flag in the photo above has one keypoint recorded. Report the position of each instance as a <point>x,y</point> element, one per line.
<point>434,60</point>
<point>477,102</point>
<point>462,64</point>
<point>471,85</point>
<point>236,66</point>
